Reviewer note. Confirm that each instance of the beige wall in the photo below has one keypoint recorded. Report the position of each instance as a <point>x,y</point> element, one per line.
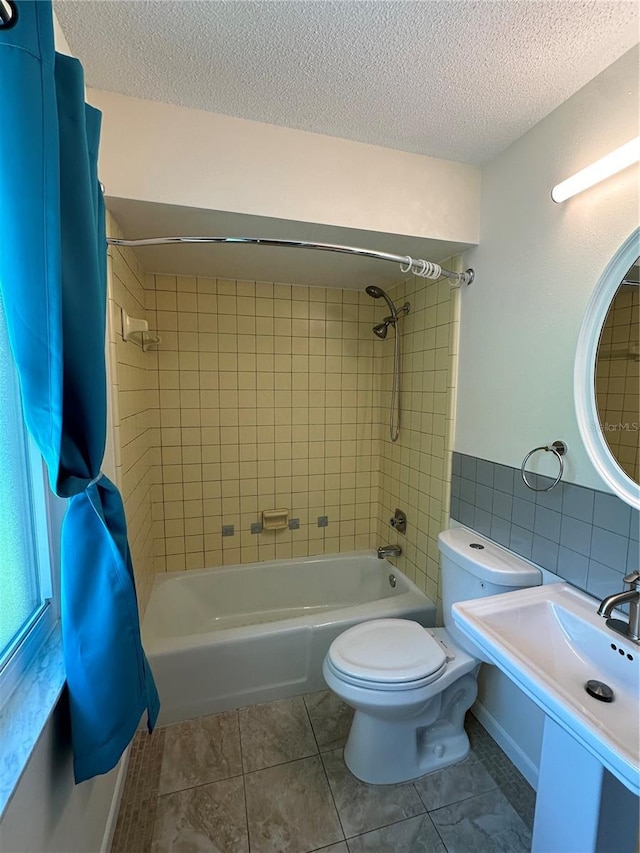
<point>536,268</point>
<point>416,470</point>
<point>173,155</point>
<point>134,378</point>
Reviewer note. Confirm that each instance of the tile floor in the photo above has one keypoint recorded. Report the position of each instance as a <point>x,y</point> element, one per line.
<point>271,779</point>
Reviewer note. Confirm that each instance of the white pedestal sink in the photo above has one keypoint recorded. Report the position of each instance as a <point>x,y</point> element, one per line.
<point>550,641</point>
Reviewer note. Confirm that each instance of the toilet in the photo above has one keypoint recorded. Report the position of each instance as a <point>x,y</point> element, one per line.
<point>412,686</point>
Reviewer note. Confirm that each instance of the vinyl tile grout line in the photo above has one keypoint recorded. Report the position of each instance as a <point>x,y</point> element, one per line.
<point>202,784</point>
<point>244,782</point>
<point>313,731</point>
<point>427,812</point>
<point>324,770</point>
<point>333,799</point>
<point>271,766</point>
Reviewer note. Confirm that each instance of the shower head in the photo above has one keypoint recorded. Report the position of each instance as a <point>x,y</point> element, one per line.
<point>382,328</point>
<point>375,292</point>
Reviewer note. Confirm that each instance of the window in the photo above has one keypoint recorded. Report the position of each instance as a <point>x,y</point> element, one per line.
<point>26,610</point>
<point>31,660</point>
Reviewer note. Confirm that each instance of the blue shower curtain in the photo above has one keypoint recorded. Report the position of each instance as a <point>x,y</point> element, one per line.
<point>53,288</point>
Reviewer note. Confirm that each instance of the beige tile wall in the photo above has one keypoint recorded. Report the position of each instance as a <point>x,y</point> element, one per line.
<point>618,379</point>
<point>134,378</point>
<point>416,470</point>
<point>267,400</point>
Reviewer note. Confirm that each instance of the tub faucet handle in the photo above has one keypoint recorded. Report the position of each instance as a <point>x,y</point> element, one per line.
<point>633,579</point>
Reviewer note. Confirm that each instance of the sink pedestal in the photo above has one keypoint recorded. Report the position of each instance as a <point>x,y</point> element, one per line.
<point>580,806</point>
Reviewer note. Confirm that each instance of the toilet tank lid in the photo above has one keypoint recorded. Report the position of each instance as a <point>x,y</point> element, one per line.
<point>490,563</point>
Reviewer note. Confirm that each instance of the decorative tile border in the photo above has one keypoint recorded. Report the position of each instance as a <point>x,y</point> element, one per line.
<point>134,827</point>
<point>587,537</point>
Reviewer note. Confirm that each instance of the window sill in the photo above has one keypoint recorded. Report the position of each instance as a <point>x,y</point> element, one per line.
<point>25,714</point>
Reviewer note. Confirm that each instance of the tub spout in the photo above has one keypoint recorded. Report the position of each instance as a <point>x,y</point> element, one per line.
<point>389,551</point>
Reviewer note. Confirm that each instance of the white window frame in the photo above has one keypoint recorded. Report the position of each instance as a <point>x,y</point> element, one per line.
<point>32,674</point>
<point>46,518</point>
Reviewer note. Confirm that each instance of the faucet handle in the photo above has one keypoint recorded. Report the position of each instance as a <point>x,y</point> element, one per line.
<point>633,579</point>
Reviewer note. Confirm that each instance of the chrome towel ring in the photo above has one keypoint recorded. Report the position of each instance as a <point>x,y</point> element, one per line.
<point>559,448</point>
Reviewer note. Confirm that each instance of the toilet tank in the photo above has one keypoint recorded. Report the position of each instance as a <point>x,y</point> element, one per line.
<point>474,567</point>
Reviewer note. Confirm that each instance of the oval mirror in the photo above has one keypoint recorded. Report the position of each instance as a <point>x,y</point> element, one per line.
<point>607,374</point>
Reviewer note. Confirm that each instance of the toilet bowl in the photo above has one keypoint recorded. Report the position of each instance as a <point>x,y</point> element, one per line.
<point>412,686</point>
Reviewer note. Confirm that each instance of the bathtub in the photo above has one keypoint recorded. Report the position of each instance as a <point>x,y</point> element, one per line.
<point>223,638</point>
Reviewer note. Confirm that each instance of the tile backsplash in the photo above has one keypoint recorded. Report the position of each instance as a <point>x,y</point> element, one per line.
<point>587,537</point>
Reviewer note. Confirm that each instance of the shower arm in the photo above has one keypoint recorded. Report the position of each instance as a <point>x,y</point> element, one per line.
<point>417,266</point>
<point>394,314</point>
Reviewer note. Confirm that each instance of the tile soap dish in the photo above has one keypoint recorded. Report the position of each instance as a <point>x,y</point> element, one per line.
<point>275,519</point>
<point>137,330</point>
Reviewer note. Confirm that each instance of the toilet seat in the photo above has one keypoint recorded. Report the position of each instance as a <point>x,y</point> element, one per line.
<point>389,654</point>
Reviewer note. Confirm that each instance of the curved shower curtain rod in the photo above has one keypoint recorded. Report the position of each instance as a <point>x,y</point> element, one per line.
<point>417,266</point>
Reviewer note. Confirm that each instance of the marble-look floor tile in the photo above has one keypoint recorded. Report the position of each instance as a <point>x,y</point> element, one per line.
<point>290,809</point>
<point>340,847</point>
<point>199,751</point>
<point>364,807</point>
<point>483,824</point>
<point>330,718</point>
<point>416,835</point>
<point>209,818</point>
<point>274,733</point>
<point>454,783</point>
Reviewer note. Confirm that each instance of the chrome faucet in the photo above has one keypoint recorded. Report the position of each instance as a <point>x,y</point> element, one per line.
<point>389,551</point>
<point>630,629</point>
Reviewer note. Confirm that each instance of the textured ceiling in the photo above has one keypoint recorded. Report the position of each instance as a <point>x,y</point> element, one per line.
<point>457,80</point>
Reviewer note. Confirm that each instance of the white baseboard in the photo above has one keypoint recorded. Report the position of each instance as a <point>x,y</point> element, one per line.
<point>110,828</point>
<point>507,744</point>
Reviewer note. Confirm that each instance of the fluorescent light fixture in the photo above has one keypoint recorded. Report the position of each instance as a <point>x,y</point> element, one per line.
<point>614,162</point>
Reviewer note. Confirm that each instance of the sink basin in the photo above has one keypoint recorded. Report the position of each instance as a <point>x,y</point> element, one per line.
<point>550,641</point>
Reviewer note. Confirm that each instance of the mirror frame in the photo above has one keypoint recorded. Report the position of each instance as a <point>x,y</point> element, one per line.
<point>584,373</point>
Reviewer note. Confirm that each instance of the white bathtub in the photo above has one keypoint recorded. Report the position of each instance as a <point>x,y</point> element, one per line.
<point>223,638</point>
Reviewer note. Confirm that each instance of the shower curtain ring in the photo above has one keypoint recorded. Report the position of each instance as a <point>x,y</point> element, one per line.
<point>409,266</point>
